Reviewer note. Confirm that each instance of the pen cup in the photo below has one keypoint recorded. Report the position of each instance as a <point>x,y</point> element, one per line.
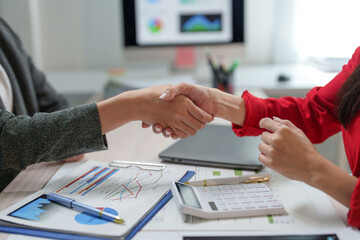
<point>223,80</point>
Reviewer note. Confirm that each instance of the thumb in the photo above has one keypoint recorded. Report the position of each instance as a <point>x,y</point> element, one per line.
<point>144,125</point>
<point>173,91</point>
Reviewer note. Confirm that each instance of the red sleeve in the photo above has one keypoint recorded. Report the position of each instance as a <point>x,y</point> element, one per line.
<point>314,114</point>
<point>354,212</point>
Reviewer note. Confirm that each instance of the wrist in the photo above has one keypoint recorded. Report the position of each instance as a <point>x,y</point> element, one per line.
<point>323,174</point>
<point>116,111</point>
<point>133,103</point>
<point>229,107</point>
<point>316,173</point>
<point>333,180</point>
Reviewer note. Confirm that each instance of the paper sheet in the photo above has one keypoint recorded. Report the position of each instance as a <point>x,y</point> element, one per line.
<point>129,193</point>
<point>306,208</point>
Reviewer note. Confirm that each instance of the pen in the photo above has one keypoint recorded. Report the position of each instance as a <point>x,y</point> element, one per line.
<point>222,65</point>
<point>234,65</point>
<point>70,203</point>
<point>253,178</point>
<point>209,58</point>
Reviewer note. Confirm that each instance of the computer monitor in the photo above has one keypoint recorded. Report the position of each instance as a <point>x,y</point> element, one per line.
<point>183,22</point>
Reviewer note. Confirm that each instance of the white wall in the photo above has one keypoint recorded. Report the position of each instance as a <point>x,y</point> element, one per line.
<point>17,14</point>
<point>78,34</point>
<point>67,34</point>
<point>61,34</point>
<point>259,22</point>
<point>87,34</point>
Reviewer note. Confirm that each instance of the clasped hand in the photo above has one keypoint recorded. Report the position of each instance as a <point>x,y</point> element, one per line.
<point>202,106</point>
<point>180,116</point>
<point>286,149</point>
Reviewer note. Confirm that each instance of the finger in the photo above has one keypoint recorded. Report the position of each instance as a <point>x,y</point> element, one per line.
<point>185,128</point>
<point>179,132</point>
<point>264,160</point>
<point>167,132</point>
<point>145,125</point>
<point>265,149</point>
<point>178,89</point>
<point>174,136</point>
<point>157,128</point>
<point>269,124</point>
<point>266,137</point>
<point>193,123</point>
<point>285,122</point>
<point>199,114</point>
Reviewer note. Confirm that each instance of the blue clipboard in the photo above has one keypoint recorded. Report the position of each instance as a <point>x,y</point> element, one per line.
<point>66,236</point>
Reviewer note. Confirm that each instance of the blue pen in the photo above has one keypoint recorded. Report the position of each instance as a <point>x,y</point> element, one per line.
<point>70,203</point>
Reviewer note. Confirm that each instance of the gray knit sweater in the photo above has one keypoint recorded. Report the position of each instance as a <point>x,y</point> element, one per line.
<point>41,128</point>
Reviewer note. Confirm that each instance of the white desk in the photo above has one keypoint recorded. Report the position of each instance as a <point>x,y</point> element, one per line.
<point>265,77</point>
<point>132,143</point>
<point>119,146</point>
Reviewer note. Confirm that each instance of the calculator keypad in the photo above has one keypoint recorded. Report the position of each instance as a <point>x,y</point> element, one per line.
<point>253,196</point>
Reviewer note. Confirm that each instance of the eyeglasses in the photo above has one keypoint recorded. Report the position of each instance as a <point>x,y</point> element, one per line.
<point>140,165</point>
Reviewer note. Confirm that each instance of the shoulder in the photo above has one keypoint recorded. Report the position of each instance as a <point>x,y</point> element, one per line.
<point>354,61</point>
<point>7,35</point>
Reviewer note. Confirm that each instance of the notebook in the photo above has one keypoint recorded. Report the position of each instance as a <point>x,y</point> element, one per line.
<point>215,146</point>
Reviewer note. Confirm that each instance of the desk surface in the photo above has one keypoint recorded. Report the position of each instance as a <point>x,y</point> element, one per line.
<point>145,147</point>
<point>128,143</point>
<point>145,144</point>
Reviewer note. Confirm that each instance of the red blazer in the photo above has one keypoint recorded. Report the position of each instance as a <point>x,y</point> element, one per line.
<point>315,115</point>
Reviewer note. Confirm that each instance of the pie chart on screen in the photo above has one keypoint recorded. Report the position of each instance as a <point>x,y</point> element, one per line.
<point>155,25</point>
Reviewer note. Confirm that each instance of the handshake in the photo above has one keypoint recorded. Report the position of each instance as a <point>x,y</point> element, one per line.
<point>187,108</point>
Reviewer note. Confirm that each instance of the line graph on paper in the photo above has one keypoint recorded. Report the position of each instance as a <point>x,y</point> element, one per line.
<point>134,186</point>
<point>111,184</point>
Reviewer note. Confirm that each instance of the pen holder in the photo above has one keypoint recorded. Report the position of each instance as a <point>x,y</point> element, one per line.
<point>223,80</point>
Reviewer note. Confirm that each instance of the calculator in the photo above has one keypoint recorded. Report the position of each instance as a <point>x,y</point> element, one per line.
<point>227,201</point>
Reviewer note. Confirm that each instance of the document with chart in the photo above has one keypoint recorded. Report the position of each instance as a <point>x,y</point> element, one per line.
<point>305,208</point>
<point>128,193</point>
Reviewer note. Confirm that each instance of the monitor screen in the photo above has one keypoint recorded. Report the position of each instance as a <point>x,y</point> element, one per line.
<point>183,22</point>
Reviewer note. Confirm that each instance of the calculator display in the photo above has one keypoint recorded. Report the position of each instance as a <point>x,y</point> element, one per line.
<point>188,195</point>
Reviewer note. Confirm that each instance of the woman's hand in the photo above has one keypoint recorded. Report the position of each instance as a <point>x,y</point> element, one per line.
<point>203,97</point>
<point>211,100</point>
<point>179,114</point>
<point>287,150</point>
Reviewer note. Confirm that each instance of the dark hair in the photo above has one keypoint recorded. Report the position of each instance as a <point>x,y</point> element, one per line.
<point>348,104</point>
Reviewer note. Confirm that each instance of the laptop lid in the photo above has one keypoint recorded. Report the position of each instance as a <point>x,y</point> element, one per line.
<point>215,146</point>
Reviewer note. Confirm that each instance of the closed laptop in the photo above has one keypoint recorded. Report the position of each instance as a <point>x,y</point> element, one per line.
<point>215,146</point>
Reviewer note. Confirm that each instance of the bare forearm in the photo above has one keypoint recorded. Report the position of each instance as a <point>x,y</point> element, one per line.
<point>179,114</point>
<point>116,111</point>
<point>229,107</point>
<point>334,181</point>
